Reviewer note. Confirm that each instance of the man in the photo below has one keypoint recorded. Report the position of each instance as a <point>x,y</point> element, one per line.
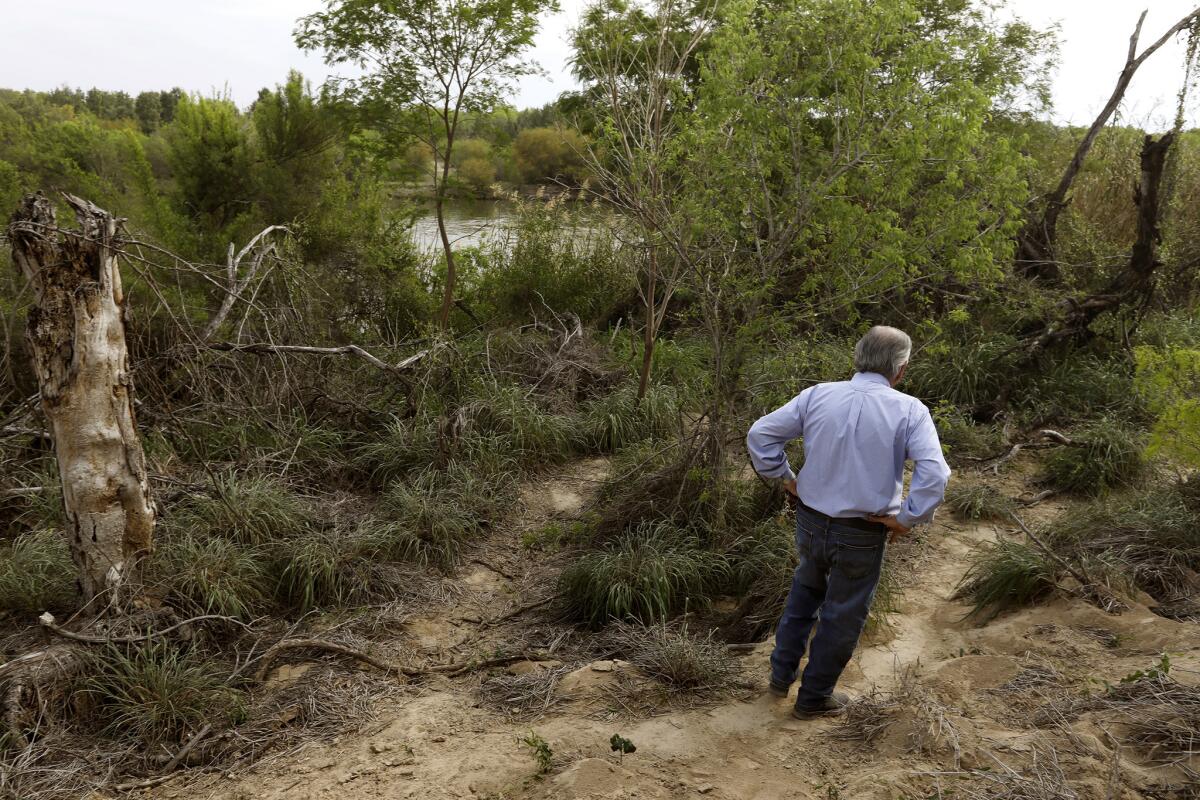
<point>857,436</point>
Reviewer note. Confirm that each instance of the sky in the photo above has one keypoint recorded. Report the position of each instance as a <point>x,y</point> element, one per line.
<point>240,46</point>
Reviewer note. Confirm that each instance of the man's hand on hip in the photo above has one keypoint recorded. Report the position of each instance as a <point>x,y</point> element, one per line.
<point>895,529</point>
<point>790,487</point>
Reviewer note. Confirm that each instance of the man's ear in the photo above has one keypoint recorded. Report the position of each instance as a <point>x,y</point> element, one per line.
<point>900,374</point>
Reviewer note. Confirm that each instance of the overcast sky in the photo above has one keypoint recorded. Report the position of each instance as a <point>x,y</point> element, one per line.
<point>243,45</point>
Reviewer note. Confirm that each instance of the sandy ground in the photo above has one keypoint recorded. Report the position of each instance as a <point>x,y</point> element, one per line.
<point>435,740</point>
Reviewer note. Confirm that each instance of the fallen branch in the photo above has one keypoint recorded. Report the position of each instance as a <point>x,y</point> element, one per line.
<point>47,621</point>
<point>1091,591</point>
<point>262,348</point>
<point>450,670</point>
<point>519,610</point>
<point>171,765</point>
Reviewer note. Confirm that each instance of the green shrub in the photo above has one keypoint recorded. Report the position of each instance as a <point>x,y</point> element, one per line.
<point>402,446</point>
<point>1104,455</point>
<point>527,432</point>
<point>978,501</point>
<point>1006,575</point>
<point>211,575</point>
<point>156,694</point>
<point>973,373</point>
<point>36,573</point>
<point>960,436</point>
<point>617,419</point>
<point>249,508</point>
<point>650,574</point>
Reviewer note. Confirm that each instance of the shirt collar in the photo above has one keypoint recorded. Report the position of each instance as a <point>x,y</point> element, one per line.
<point>870,377</point>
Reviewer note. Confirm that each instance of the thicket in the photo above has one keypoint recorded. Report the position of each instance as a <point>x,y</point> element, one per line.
<point>293,485</point>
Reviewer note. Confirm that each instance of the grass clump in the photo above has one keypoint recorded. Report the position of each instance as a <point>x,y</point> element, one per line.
<point>649,574</point>
<point>1104,455</point>
<point>1006,575</point>
<point>676,657</point>
<point>249,508</point>
<point>978,501</point>
<point>211,575</point>
<point>36,573</point>
<point>618,419</point>
<point>155,693</point>
<point>320,571</point>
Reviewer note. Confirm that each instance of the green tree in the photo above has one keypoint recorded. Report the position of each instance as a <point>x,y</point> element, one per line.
<point>1169,380</point>
<point>148,107</point>
<point>424,64</point>
<point>210,158</point>
<point>551,154</point>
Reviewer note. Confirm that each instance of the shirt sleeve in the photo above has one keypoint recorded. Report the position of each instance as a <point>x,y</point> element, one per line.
<point>767,437</point>
<point>930,471</point>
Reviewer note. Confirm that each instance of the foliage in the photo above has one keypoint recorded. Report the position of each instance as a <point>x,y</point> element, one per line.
<point>1006,575</point>
<point>650,574</point>
<point>36,573</point>
<point>319,570</point>
<point>618,419</point>
<point>549,154</point>
<point>1103,456</point>
<point>246,507</point>
<point>1170,382</point>
<point>541,751</point>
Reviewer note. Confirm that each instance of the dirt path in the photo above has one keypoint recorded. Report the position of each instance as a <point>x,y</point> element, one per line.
<point>438,741</point>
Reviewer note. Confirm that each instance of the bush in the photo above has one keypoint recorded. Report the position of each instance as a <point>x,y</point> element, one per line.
<point>156,694</point>
<point>960,436</point>
<point>975,373</point>
<point>978,501</point>
<point>650,574</point>
<point>548,154</point>
<point>36,573</point>
<point>211,575</point>
<point>1006,575</point>
<point>527,432</point>
<point>678,658</point>
<point>1104,455</point>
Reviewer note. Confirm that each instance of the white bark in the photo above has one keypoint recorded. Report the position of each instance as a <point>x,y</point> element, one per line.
<point>76,333</point>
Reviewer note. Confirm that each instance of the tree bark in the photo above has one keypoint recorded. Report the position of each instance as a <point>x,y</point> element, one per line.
<point>76,334</point>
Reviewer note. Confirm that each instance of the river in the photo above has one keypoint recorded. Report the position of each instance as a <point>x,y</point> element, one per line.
<point>468,223</point>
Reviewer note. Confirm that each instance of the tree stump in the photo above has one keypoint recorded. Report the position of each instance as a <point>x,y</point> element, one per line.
<point>76,335</point>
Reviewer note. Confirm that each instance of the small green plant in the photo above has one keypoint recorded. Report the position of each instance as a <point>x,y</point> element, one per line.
<point>1104,455</point>
<point>540,750</point>
<point>978,501</point>
<point>619,744</point>
<point>1155,672</point>
<point>649,574</point>
<point>1006,575</point>
<point>155,693</point>
<point>36,573</point>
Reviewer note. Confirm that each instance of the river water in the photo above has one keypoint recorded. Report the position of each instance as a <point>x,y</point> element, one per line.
<point>468,223</point>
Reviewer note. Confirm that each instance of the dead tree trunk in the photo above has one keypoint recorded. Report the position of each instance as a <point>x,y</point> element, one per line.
<point>1036,244</point>
<point>1135,283</point>
<point>76,334</point>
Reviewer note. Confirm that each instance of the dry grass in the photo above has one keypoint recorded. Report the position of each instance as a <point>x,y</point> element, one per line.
<point>525,697</point>
<point>931,731</point>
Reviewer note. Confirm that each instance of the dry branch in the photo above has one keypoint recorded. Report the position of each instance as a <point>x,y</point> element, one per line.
<point>47,621</point>
<point>263,348</point>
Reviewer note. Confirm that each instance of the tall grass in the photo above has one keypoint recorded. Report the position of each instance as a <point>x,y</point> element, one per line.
<point>650,574</point>
<point>618,419</point>
<point>1105,455</point>
<point>155,693</point>
<point>978,501</point>
<point>212,575</point>
<point>247,507</point>
<point>1006,575</point>
<point>321,570</point>
<point>36,573</point>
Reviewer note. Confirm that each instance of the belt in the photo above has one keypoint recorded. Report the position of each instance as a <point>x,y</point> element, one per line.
<point>858,523</point>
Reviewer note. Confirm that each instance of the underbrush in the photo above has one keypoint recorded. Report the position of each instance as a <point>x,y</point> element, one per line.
<point>978,501</point>
<point>36,573</point>
<point>1102,456</point>
<point>678,658</point>
<point>1006,575</point>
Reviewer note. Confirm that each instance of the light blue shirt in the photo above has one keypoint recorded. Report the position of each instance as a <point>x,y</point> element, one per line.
<point>857,436</point>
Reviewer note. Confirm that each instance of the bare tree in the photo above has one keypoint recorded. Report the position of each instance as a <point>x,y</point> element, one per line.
<point>1036,243</point>
<point>638,66</point>
<point>76,334</point>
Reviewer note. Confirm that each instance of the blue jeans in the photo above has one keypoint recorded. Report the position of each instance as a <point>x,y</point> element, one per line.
<point>835,582</point>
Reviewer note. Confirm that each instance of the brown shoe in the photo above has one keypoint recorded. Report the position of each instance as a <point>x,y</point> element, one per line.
<point>827,707</point>
<point>778,689</point>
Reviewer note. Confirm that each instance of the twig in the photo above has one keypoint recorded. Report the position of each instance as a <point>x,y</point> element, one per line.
<point>171,765</point>
<point>1078,574</point>
<point>519,610</point>
<point>263,348</point>
<point>47,621</point>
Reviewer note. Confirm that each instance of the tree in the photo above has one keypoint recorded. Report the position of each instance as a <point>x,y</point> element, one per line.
<point>548,154</point>
<point>76,335</point>
<point>424,64</point>
<point>148,107</point>
<point>210,155</point>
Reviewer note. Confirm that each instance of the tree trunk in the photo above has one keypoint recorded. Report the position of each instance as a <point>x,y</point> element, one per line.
<point>448,291</point>
<point>650,335</point>
<point>76,334</point>
<point>1135,283</point>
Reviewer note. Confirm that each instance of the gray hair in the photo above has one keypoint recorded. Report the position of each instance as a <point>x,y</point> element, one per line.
<point>884,350</point>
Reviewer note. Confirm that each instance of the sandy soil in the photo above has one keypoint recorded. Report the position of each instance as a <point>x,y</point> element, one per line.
<point>438,741</point>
